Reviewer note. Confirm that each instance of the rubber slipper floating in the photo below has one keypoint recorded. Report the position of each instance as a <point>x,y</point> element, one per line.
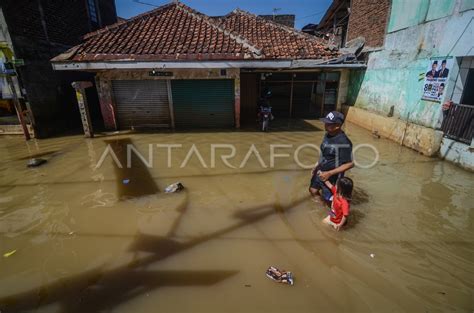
<point>282,276</point>
<point>8,254</point>
<point>174,187</point>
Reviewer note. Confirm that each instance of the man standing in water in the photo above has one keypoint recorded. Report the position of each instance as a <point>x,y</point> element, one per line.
<point>335,159</point>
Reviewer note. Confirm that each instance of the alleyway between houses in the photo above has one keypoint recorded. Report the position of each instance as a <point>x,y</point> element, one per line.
<point>109,239</point>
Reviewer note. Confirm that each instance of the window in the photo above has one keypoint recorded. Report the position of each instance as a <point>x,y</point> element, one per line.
<point>92,11</point>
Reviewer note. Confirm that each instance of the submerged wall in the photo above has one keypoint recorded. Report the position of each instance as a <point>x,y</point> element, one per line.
<point>417,31</point>
<point>458,153</point>
<point>423,139</point>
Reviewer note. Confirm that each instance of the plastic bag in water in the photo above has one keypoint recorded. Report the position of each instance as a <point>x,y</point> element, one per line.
<point>174,187</point>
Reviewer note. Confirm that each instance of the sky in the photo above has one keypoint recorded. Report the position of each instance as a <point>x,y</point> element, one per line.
<point>306,11</point>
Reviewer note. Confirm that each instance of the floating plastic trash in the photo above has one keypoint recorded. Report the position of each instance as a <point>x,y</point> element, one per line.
<point>282,276</point>
<point>6,255</point>
<point>174,187</point>
<point>35,162</point>
<point>126,181</point>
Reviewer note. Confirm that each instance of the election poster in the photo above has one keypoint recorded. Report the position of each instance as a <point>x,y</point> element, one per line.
<point>436,78</point>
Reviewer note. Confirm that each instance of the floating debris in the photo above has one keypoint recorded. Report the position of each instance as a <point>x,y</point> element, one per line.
<point>282,276</point>
<point>8,254</point>
<point>174,187</point>
<point>126,181</point>
<point>35,162</point>
<point>372,255</point>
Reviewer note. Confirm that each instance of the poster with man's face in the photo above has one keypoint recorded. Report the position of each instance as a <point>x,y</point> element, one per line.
<point>436,77</point>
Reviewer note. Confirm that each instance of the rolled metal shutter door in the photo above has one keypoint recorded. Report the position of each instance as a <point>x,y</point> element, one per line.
<point>200,103</point>
<point>141,103</point>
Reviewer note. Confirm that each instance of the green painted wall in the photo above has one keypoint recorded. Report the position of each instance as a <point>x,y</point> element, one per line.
<point>400,87</point>
<point>466,5</point>
<point>395,75</point>
<point>406,13</point>
<point>356,77</point>
<point>439,9</point>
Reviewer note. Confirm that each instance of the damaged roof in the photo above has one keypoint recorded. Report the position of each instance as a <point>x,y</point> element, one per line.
<point>176,32</point>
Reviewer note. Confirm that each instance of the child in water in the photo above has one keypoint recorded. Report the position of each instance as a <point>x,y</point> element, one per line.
<point>340,207</point>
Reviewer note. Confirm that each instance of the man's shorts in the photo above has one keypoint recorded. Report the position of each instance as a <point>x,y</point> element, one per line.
<point>317,183</point>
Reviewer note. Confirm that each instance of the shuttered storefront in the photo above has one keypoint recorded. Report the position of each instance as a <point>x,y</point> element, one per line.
<point>203,103</point>
<point>141,103</point>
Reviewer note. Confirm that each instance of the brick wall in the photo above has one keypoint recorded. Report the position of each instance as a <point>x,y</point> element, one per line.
<point>23,18</point>
<point>66,21</point>
<point>108,12</point>
<point>40,30</point>
<point>63,22</point>
<point>369,19</point>
<point>49,92</point>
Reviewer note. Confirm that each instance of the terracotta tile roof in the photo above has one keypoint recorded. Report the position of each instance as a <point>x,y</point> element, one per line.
<point>276,41</point>
<point>177,32</point>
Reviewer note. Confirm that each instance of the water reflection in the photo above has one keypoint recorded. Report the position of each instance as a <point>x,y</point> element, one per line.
<point>88,242</point>
<point>133,181</point>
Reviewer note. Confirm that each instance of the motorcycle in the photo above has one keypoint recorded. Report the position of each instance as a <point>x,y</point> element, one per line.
<point>265,117</point>
<point>265,110</point>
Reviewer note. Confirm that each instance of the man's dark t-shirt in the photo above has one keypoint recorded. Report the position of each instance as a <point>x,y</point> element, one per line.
<point>335,151</point>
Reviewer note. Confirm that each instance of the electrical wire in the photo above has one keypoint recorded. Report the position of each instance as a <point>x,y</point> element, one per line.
<point>465,28</point>
<point>146,3</point>
<point>304,17</point>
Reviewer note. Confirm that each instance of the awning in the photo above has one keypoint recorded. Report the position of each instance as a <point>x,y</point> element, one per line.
<point>135,65</point>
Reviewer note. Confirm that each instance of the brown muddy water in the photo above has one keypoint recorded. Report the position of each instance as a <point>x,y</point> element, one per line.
<point>107,239</point>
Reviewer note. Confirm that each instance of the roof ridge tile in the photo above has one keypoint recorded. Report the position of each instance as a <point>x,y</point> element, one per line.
<point>275,24</point>
<point>245,42</point>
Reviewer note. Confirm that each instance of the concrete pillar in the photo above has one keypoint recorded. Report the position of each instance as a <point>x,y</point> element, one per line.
<point>237,100</point>
<point>80,88</point>
<point>291,95</point>
<point>342,89</point>
<point>107,108</point>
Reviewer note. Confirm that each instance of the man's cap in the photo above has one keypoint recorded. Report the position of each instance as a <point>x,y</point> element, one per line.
<point>333,117</point>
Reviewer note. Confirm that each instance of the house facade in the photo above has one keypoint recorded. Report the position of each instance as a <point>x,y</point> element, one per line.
<point>174,67</point>
<point>34,32</point>
<point>417,87</point>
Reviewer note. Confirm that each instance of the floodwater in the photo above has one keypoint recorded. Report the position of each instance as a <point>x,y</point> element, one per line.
<point>107,239</point>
